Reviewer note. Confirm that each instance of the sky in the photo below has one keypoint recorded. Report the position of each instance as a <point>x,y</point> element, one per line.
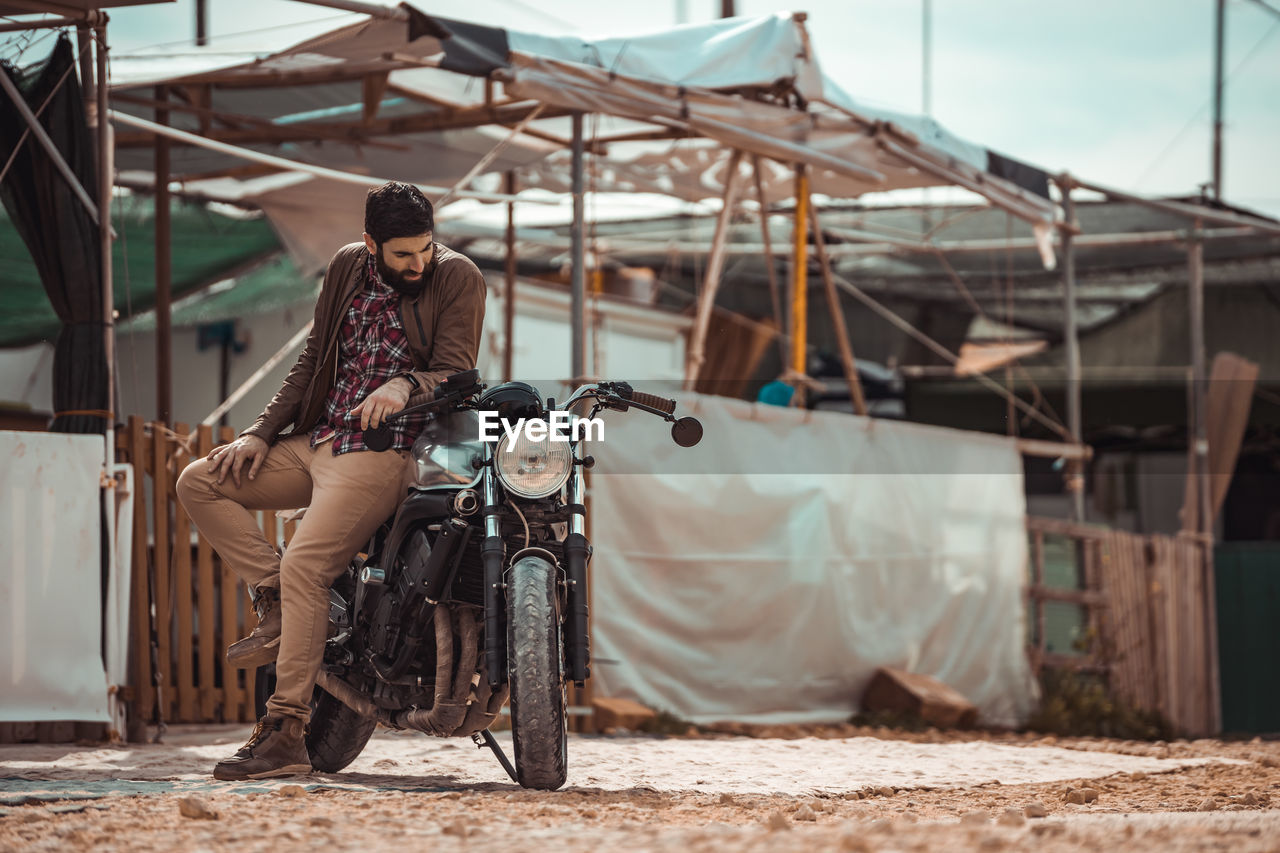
<point>1115,91</point>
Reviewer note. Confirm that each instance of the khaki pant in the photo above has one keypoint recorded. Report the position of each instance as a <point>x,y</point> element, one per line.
<point>346,496</point>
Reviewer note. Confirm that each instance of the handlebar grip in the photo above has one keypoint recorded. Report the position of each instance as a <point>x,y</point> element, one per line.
<point>653,401</point>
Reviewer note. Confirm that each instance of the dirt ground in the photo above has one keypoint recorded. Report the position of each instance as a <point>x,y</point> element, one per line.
<point>735,788</point>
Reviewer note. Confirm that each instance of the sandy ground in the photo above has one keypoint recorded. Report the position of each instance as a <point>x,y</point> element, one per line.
<point>816,788</point>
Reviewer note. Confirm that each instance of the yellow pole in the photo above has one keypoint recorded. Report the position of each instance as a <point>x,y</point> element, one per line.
<point>799,270</point>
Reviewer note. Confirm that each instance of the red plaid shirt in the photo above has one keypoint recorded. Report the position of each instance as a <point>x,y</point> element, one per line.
<point>371,350</point>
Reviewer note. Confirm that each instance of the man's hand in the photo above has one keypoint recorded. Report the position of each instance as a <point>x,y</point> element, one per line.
<point>231,457</point>
<point>387,400</point>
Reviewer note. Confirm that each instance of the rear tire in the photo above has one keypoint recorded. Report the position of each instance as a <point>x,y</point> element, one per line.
<point>336,734</point>
<point>535,670</point>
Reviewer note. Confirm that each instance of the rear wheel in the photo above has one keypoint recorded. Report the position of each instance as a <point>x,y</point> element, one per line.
<point>336,734</point>
<point>536,673</point>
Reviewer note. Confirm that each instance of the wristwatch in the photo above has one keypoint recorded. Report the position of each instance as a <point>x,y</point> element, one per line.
<point>414,385</point>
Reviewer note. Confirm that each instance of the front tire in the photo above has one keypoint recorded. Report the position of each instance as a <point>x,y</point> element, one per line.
<point>336,734</point>
<point>535,670</point>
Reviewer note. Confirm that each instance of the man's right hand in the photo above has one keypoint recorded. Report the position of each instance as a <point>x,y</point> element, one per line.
<point>230,458</point>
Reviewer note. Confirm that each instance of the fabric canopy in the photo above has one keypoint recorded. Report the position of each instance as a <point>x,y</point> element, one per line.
<point>423,98</point>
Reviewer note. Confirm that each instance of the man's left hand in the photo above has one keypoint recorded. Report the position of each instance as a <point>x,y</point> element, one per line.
<point>387,400</point>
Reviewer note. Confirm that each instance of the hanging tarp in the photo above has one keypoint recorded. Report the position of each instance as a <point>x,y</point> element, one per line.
<point>60,234</point>
<point>791,553</point>
<point>207,247</point>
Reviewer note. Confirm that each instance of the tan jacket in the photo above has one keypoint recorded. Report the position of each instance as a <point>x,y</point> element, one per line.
<point>443,325</point>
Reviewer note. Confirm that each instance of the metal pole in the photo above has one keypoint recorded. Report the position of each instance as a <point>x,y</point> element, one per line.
<point>202,23</point>
<point>509,304</point>
<point>769,266</point>
<point>847,359</point>
<point>106,168</point>
<point>1218,51</point>
<point>727,9</point>
<point>1071,339</point>
<point>164,333</point>
<point>711,283</point>
<point>1200,455</point>
<point>799,272</point>
<point>578,288</point>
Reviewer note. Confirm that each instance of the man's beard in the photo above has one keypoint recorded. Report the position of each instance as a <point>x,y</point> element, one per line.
<point>396,281</point>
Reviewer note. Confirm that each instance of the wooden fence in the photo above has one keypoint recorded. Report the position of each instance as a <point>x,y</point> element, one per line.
<point>200,607</point>
<point>1146,613</point>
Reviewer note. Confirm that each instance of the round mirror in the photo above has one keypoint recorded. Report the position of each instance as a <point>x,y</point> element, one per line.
<point>686,432</point>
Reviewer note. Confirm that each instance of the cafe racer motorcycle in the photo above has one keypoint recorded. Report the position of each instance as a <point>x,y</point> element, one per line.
<point>475,592</point>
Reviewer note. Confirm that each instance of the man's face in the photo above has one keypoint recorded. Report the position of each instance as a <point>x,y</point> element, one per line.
<point>402,261</point>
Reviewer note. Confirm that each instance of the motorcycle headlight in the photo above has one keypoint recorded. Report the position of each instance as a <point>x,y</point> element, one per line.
<point>533,469</point>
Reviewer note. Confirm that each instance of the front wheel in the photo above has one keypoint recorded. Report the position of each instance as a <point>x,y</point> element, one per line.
<point>536,672</point>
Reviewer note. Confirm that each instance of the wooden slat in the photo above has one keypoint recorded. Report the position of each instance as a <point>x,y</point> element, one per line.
<point>209,651</point>
<point>140,609</point>
<point>183,591</point>
<point>228,593</point>
<point>160,550</point>
<point>1087,598</point>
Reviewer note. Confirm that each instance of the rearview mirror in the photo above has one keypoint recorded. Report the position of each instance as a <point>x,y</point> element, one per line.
<point>686,432</point>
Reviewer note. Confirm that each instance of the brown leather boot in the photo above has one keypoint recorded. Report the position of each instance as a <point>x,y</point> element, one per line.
<point>277,747</point>
<point>262,645</point>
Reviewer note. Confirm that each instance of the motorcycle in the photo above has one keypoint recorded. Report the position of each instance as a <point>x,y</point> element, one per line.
<point>475,592</point>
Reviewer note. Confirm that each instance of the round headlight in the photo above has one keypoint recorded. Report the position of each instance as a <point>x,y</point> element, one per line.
<point>533,469</point>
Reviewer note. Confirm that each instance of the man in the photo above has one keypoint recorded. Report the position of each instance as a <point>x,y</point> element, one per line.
<point>397,314</point>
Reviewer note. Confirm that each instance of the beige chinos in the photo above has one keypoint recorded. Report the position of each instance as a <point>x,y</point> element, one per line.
<point>347,496</point>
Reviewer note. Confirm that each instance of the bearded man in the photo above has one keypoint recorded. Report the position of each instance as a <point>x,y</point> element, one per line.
<point>397,314</point>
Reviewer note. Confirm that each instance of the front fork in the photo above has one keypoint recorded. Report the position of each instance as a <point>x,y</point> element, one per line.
<point>577,633</point>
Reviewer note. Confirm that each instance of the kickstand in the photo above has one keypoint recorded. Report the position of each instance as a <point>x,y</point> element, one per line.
<point>486,738</point>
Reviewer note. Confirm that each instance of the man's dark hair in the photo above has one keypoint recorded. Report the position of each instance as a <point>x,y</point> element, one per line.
<point>397,210</point>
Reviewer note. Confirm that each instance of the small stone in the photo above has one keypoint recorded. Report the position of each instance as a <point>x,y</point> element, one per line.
<point>975,818</point>
<point>1080,796</point>
<point>805,813</point>
<point>1249,799</point>
<point>1209,804</point>
<point>1011,817</point>
<point>291,791</point>
<point>991,842</point>
<point>777,821</point>
<point>196,809</point>
<point>1049,827</point>
<point>1036,809</point>
<point>458,828</point>
<point>322,820</point>
<point>1137,776</point>
<point>726,799</point>
<point>885,791</point>
<point>1268,761</point>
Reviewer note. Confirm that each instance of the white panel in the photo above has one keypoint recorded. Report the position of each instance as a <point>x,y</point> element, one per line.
<point>50,584</point>
<point>767,573</point>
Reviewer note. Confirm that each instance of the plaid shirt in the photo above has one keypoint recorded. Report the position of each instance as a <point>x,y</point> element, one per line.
<point>371,350</point>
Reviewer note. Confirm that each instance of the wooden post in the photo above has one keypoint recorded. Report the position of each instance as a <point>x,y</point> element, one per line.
<point>1071,340</point>
<point>837,318</point>
<point>183,588</point>
<point>711,281</point>
<point>209,649</point>
<point>164,334</point>
<point>160,560</point>
<point>509,304</point>
<point>229,589</point>
<point>1200,453</point>
<point>799,274</point>
<point>783,334</point>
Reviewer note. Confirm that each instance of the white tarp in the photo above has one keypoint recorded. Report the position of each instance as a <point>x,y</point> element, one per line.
<point>765,574</point>
<point>51,581</point>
